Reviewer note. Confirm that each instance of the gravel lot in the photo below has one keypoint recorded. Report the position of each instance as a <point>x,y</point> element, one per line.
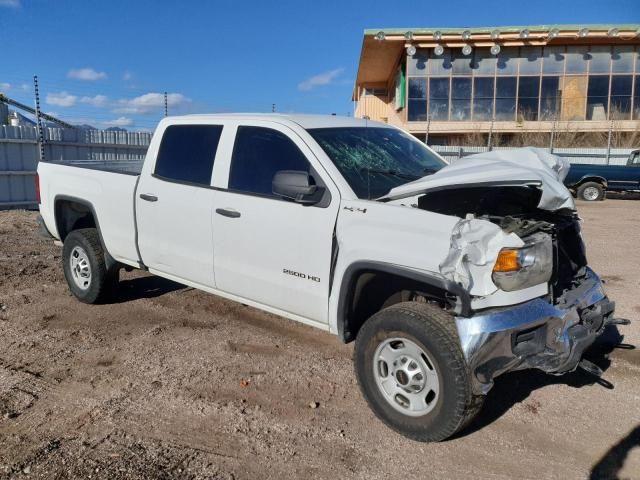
<point>176,383</point>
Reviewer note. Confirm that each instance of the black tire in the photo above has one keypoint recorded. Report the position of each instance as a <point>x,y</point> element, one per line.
<point>434,331</point>
<point>585,192</point>
<point>103,282</point>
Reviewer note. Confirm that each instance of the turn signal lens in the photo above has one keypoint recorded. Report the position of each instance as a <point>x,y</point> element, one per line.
<point>507,261</point>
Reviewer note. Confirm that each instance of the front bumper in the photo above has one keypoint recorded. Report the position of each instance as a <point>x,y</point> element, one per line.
<point>535,334</point>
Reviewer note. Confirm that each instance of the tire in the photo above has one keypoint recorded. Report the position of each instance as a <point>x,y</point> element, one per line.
<point>85,268</point>
<point>440,412</point>
<point>591,192</point>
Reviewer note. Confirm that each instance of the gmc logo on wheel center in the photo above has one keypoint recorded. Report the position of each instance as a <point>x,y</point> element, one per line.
<point>300,275</point>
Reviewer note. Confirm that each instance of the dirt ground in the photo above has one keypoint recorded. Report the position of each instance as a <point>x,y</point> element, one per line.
<point>171,382</point>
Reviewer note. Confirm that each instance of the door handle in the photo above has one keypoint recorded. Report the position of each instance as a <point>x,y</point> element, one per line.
<point>227,212</point>
<point>148,197</point>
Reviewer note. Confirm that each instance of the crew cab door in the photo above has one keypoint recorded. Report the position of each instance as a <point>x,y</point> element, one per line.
<point>174,204</point>
<point>267,249</point>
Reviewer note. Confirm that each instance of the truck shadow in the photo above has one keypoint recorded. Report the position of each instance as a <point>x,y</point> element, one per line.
<point>515,387</point>
<point>145,287</point>
<point>611,463</point>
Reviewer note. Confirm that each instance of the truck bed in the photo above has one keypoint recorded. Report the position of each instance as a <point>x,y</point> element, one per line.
<point>105,187</point>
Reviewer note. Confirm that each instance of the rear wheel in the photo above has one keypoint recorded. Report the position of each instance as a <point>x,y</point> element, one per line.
<point>591,192</point>
<point>412,371</point>
<point>85,269</point>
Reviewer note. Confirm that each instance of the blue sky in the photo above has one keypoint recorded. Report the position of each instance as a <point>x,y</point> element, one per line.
<point>107,63</point>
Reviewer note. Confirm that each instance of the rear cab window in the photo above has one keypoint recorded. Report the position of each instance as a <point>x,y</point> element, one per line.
<point>187,153</point>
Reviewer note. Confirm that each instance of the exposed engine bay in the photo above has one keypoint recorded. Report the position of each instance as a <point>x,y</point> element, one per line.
<point>515,210</point>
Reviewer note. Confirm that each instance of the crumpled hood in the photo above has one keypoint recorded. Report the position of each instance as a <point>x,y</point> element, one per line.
<point>522,166</point>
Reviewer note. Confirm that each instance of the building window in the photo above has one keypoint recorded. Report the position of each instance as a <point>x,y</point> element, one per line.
<point>564,83</point>
<point>528,96</point>
<point>622,60</point>
<point>576,60</point>
<point>440,65</point>
<point>620,108</point>
<point>507,61</point>
<point>530,60</point>
<point>439,98</point>
<point>483,98</point>
<point>553,60</point>
<point>506,98</point>
<point>461,98</point>
<point>600,60</point>
<point>418,63</point>
<point>484,63</point>
<point>417,100</point>
<point>549,98</point>
<point>597,97</point>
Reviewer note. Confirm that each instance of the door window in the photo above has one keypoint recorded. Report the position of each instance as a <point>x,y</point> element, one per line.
<point>187,153</point>
<point>258,154</point>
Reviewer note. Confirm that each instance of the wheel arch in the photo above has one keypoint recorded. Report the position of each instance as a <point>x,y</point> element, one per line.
<point>591,178</point>
<point>73,213</point>
<point>369,286</point>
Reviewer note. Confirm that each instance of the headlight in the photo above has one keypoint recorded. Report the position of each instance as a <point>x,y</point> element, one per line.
<point>518,268</point>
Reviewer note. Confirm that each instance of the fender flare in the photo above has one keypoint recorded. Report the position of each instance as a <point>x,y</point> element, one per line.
<point>67,198</point>
<point>358,267</point>
<point>591,178</point>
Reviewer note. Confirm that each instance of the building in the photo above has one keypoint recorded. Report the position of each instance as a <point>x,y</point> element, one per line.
<point>442,84</point>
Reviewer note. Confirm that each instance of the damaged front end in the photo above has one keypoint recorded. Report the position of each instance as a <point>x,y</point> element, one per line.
<point>517,249</point>
<point>506,245</point>
<point>508,249</point>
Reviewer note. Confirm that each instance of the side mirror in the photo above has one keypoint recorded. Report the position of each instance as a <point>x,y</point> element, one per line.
<point>298,186</point>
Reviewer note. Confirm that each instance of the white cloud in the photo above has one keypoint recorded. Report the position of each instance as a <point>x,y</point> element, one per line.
<point>87,74</point>
<point>150,102</point>
<point>10,3</point>
<point>61,99</point>
<point>25,87</point>
<point>4,86</point>
<point>126,76</point>
<point>324,78</point>
<point>97,101</point>
<point>120,122</point>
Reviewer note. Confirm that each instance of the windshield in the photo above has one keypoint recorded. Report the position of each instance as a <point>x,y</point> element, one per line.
<point>375,160</point>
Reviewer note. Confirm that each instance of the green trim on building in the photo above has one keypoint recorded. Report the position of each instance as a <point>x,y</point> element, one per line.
<point>502,29</point>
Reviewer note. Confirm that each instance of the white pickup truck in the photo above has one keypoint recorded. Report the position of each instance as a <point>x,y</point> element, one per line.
<point>446,276</point>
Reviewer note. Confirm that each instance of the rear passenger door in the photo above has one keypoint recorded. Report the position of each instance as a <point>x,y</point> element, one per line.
<point>268,249</point>
<point>174,202</point>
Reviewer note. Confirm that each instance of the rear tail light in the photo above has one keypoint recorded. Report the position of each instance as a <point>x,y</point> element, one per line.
<point>38,189</point>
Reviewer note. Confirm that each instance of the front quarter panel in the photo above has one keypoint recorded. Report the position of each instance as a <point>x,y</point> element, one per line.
<point>387,233</point>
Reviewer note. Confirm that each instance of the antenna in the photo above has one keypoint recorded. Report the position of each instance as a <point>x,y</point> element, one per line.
<point>166,106</point>
<point>273,108</point>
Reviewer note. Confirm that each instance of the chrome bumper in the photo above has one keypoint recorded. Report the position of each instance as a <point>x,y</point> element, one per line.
<point>535,334</point>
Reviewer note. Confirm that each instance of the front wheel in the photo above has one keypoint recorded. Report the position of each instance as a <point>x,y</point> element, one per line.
<point>412,372</point>
<point>85,269</point>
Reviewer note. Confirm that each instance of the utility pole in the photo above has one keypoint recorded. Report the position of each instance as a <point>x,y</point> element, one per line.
<point>609,141</point>
<point>166,105</point>
<point>426,135</point>
<point>38,119</point>
<point>490,137</point>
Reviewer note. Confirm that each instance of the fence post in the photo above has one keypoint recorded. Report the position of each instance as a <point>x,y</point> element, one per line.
<point>38,119</point>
